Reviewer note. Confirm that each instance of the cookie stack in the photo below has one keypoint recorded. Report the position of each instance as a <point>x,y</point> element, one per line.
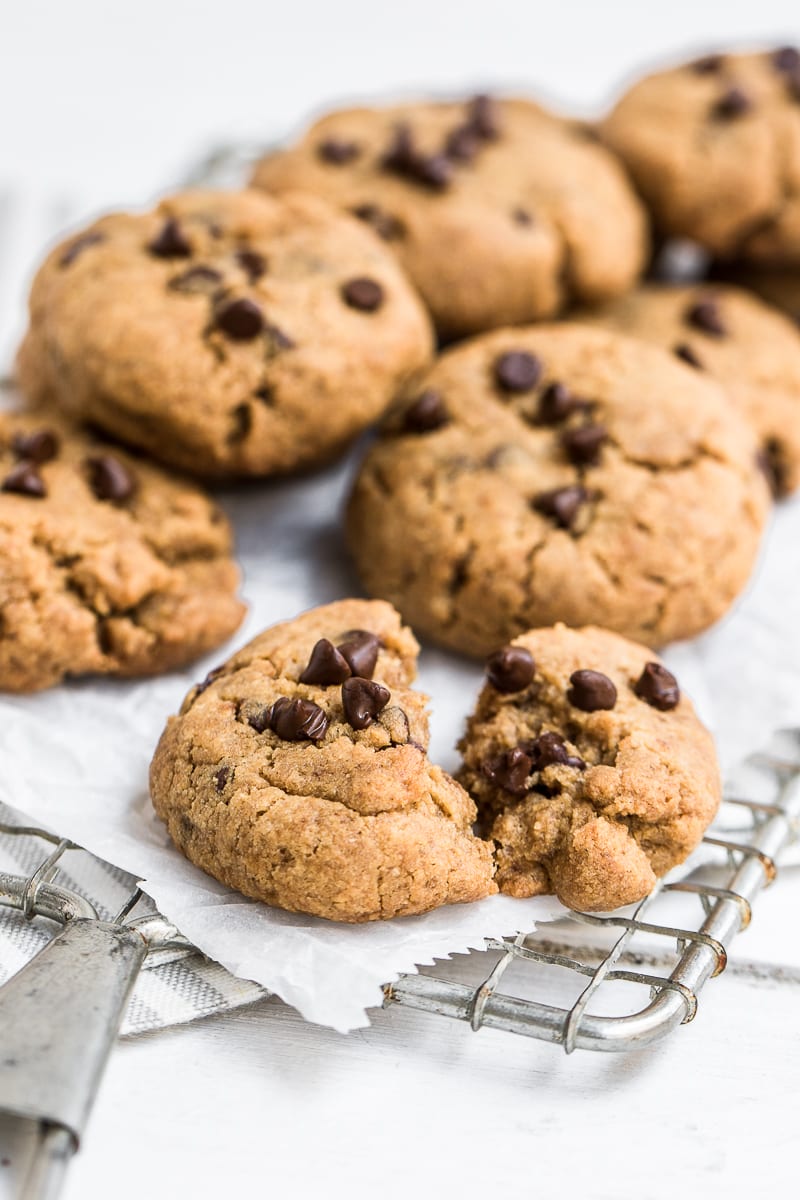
<point>583,469</point>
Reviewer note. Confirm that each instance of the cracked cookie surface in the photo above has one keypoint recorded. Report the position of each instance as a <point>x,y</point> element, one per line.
<point>318,797</point>
<point>751,349</point>
<point>714,148</point>
<point>559,473</point>
<point>107,565</point>
<point>593,775</point>
<point>500,211</point>
<point>228,334</point>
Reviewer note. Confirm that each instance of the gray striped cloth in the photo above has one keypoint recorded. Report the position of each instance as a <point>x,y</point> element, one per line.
<point>174,987</point>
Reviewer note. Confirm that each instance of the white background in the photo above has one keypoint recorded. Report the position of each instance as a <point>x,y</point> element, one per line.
<point>105,102</point>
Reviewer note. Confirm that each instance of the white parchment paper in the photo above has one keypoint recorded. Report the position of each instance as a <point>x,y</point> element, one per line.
<point>76,758</point>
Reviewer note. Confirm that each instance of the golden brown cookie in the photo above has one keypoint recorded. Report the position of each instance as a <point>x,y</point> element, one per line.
<point>107,565</point>
<point>559,473</point>
<point>591,772</point>
<point>751,349</point>
<point>225,333</point>
<point>297,774</point>
<point>500,211</point>
<point>714,148</point>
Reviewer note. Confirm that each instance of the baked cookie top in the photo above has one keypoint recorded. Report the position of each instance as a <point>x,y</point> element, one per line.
<point>750,348</point>
<point>714,148</point>
<point>297,773</point>
<point>107,565</point>
<point>559,473</point>
<point>590,769</point>
<point>225,333</point>
<point>500,211</point>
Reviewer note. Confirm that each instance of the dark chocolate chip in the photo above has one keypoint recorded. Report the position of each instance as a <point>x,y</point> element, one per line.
<point>252,263</point>
<point>428,412</point>
<point>705,315</point>
<point>359,648</point>
<point>278,340</point>
<point>583,444</point>
<point>462,143</point>
<point>384,224</point>
<point>260,719</point>
<point>110,479</point>
<point>326,666</point>
<point>362,700</point>
<point>363,294</point>
<point>401,155</point>
<point>733,103</point>
<point>517,371</point>
<point>556,404</point>
<point>510,669</point>
<point>434,170</point>
<point>265,394</point>
<point>221,778</point>
<point>793,84</point>
<point>240,319</point>
<point>510,771</point>
<point>549,749</point>
<point>709,64</point>
<point>213,674</point>
<point>483,116</point>
<point>522,217</point>
<point>38,447</point>
<point>561,504</point>
<point>296,720</point>
<point>24,479</point>
<point>171,242</point>
<point>242,422</point>
<point>772,462</point>
<point>786,58</point>
<point>685,352</point>
<point>658,687</point>
<point>77,247</point>
<point>591,691</point>
<point>338,151</point>
<point>196,279</point>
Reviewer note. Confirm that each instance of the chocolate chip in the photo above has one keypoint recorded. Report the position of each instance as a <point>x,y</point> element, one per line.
<point>509,771</point>
<point>658,687</point>
<point>384,224</point>
<point>362,700</point>
<point>786,58</point>
<point>196,279</point>
<point>221,778</point>
<point>25,480</point>
<point>77,247</point>
<point>517,371</point>
<point>338,151</point>
<point>684,351</point>
<point>38,447</point>
<point>556,404</point>
<point>510,669</point>
<point>708,65</point>
<point>562,504</point>
<point>793,84</point>
<point>265,394</point>
<point>706,316</point>
<point>484,117</point>
<point>732,104</point>
<point>241,319</point>
<point>434,170</point>
<point>296,720</point>
<point>363,294</point>
<point>252,263</point>
<point>278,340</point>
<point>462,143</point>
<point>522,216</point>
<point>549,749</point>
<point>326,666</point>
<point>591,691</point>
<point>260,719</point>
<point>171,242</point>
<point>772,462</point>
<point>110,479</point>
<point>359,648</point>
<point>583,445</point>
<point>213,674</point>
<point>428,412</point>
<point>242,423</point>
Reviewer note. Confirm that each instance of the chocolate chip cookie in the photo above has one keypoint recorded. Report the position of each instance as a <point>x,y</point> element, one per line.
<point>751,349</point>
<point>500,211</point>
<point>297,774</point>
<point>559,473</point>
<point>228,334</point>
<point>591,772</point>
<point>107,565</point>
<point>714,148</point>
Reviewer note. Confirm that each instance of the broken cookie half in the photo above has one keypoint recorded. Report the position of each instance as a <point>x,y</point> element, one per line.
<point>297,773</point>
<point>592,774</point>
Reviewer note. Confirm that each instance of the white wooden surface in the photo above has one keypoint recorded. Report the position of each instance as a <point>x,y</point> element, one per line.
<point>107,102</point>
